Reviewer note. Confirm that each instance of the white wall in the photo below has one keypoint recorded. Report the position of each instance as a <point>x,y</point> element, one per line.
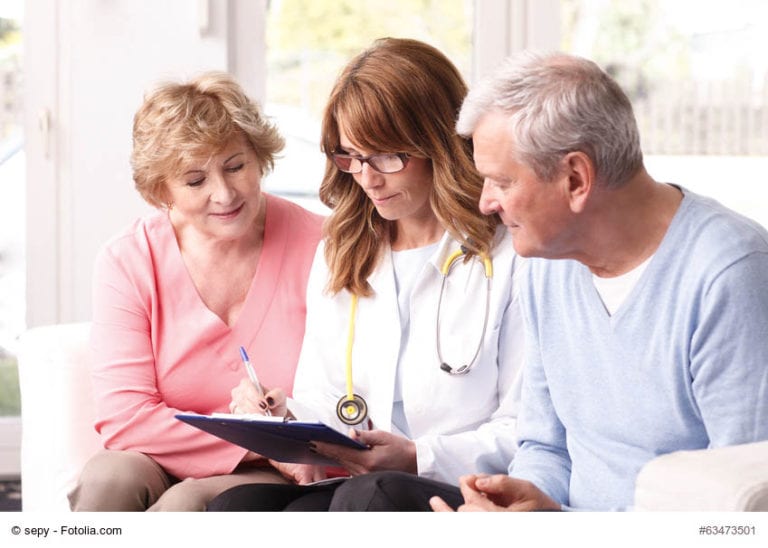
<point>88,64</point>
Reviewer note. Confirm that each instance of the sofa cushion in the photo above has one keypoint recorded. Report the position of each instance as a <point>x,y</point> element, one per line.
<point>57,413</point>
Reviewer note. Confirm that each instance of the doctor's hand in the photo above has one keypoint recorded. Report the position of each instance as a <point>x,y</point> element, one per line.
<point>300,474</point>
<point>498,493</point>
<point>387,452</point>
<point>246,399</point>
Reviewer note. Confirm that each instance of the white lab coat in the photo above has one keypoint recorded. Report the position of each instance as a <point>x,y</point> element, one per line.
<point>460,424</point>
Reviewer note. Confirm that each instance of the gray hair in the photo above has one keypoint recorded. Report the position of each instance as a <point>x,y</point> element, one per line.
<point>559,103</point>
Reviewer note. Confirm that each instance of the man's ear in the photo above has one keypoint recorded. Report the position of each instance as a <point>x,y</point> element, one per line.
<point>579,171</point>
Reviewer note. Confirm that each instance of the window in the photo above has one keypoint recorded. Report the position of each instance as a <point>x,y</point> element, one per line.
<point>12,221</point>
<point>697,75</point>
<point>308,43</point>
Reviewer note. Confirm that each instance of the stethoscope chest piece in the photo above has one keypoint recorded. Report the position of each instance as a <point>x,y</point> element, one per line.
<point>458,371</point>
<point>352,411</point>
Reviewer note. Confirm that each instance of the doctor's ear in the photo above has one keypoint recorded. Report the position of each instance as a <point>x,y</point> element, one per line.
<point>579,171</point>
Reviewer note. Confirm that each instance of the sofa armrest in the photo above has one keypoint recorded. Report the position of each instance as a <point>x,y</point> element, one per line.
<point>57,413</point>
<point>724,479</point>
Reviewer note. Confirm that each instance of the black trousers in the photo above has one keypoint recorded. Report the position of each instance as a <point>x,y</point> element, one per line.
<point>392,492</point>
<point>270,497</point>
<point>375,492</point>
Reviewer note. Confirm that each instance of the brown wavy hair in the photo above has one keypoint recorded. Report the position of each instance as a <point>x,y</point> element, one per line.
<point>399,95</point>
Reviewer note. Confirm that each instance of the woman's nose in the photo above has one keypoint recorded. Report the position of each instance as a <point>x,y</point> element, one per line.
<point>369,177</point>
<point>222,192</point>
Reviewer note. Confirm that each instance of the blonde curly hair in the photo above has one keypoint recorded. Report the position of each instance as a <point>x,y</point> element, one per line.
<point>181,121</point>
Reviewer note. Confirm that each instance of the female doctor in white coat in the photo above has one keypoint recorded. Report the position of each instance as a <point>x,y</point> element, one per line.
<point>436,397</point>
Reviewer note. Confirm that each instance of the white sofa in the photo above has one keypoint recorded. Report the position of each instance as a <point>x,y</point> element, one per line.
<point>723,479</point>
<point>57,415</point>
<point>58,437</point>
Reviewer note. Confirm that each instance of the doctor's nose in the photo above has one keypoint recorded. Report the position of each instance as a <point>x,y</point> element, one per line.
<point>369,177</point>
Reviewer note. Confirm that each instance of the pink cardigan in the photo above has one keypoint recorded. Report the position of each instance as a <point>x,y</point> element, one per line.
<point>159,350</point>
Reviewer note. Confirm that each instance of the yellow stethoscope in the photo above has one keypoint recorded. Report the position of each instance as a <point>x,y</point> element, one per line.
<point>352,408</point>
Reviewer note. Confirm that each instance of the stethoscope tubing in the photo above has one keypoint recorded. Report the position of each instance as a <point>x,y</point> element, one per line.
<point>351,408</point>
<point>488,270</point>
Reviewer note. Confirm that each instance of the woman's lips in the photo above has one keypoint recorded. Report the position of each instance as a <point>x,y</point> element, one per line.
<point>231,214</point>
<point>382,200</point>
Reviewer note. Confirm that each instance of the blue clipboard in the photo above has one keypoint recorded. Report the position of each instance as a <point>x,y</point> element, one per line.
<point>274,439</point>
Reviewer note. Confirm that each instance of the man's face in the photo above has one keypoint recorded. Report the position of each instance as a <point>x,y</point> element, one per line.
<point>536,212</point>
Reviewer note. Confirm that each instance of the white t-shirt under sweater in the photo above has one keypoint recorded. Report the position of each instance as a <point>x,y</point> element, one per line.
<point>613,291</point>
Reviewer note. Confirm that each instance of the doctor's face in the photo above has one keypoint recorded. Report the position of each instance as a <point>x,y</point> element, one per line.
<point>536,212</point>
<point>399,196</point>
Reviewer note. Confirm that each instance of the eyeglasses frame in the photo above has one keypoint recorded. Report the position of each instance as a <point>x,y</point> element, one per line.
<point>404,158</point>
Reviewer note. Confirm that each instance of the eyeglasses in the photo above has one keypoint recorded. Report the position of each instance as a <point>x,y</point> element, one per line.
<point>383,163</point>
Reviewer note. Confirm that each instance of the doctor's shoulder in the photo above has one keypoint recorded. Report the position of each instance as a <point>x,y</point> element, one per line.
<point>506,261</point>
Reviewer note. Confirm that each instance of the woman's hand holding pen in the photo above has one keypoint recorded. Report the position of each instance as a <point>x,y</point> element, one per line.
<point>248,398</point>
<point>388,452</point>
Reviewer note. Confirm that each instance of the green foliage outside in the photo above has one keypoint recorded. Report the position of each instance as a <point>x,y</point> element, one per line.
<point>10,42</point>
<point>626,38</point>
<point>10,33</point>
<point>10,86</point>
<point>347,26</point>
<point>10,399</point>
<point>310,41</point>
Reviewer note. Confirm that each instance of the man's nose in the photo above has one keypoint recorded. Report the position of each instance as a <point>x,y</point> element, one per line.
<point>488,203</point>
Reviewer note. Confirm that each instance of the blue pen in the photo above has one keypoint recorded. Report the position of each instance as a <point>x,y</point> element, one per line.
<point>252,375</point>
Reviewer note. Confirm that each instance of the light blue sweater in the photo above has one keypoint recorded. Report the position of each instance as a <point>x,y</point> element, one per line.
<point>683,363</point>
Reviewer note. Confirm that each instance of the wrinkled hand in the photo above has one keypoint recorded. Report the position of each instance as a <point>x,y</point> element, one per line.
<point>299,473</point>
<point>498,493</point>
<point>246,399</point>
<point>387,452</point>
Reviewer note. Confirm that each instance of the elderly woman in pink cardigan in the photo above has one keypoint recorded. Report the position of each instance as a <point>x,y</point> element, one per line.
<point>220,265</point>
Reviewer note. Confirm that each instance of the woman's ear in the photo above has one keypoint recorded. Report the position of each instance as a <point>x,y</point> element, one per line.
<point>163,196</point>
<point>580,174</point>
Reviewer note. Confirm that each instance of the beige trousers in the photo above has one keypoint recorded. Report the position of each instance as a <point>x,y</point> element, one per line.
<point>128,481</point>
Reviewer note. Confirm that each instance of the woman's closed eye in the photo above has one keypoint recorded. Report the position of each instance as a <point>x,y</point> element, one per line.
<point>200,180</point>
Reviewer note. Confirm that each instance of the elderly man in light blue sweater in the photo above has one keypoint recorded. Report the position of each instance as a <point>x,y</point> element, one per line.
<point>651,336</point>
<point>646,305</point>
